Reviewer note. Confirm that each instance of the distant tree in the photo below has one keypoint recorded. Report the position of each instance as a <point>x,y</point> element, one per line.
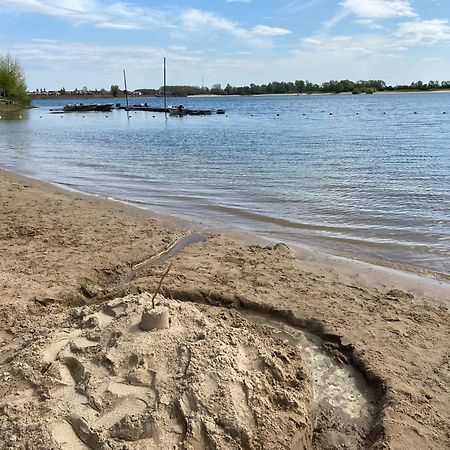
<point>12,80</point>
<point>216,89</point>
<point>229,90</point>
<point>115,90</point>
<point>62,91</point>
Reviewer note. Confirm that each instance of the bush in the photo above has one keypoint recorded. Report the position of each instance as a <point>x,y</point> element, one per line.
<point>12,80</point>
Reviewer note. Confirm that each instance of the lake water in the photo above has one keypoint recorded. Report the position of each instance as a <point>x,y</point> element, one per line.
<point>369,181</point>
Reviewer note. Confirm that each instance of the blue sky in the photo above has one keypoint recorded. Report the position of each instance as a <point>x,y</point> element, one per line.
<point>76,43</point>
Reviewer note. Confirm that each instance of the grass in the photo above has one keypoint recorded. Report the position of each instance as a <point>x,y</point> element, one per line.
<point>87,289</point>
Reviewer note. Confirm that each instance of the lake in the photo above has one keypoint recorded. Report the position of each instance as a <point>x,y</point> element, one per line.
<point>361,176</point>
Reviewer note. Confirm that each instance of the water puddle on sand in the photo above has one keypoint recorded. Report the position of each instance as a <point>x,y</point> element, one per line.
<point>337,387</point>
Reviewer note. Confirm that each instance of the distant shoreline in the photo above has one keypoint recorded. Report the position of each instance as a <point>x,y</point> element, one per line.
<point>118,99</point>
<point>440,91</point>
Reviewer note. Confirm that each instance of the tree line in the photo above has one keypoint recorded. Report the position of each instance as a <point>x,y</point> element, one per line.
<point>307,87</point>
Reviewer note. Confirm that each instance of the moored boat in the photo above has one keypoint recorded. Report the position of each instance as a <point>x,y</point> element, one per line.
<point>81,107</point>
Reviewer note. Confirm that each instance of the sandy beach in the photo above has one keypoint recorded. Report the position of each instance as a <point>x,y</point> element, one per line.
<point>78,371</point>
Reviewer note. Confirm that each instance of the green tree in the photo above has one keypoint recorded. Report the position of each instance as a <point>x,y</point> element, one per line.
<point>216,89</point>
<point>12,80</point>
<point>115,90</point>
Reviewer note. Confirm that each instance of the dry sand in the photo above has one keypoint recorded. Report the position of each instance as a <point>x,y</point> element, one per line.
<point>77,371</point>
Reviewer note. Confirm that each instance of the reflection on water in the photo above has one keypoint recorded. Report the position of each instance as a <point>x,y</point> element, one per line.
<point>14,137</point>
<point>15,115</point>
<point>373,185</point>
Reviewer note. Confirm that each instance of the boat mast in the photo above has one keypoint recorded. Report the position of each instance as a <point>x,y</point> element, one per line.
<point>165,88</point>
<point>126,90</point>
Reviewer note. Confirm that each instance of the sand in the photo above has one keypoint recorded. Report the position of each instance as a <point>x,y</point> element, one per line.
<point>77,371</point>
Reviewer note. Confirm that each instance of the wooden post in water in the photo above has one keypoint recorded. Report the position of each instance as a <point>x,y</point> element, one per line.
<point>126,89</point>
<point>165,89</point>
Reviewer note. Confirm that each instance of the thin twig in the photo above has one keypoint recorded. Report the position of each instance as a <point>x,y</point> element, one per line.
<point>160,284</point>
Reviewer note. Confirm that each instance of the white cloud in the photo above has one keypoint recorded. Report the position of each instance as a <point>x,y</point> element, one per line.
<point>103,15</point>
<point>264,30</point>
<point>351,47</point>
<point>423,32</point>
<point>369,23</point>
<point>379,9</point>
<point>126,16</point>
<point>195,19</point>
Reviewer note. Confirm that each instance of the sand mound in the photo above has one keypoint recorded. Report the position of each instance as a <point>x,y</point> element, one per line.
<point>211,380</point>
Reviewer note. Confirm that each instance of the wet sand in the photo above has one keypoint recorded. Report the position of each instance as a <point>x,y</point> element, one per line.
<point>66,255</point>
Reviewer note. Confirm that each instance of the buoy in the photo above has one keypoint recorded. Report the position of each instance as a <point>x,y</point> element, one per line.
<point>304,114</point>
<point>251,115</point>
<point>357,113</point>
<point>84,117</point>
<point>61,117</point>
<point>444,112</point>
<point>153,116</point>
<point>129,117</point>
<point>40,117</point>
<point>106,116</point>
<point>415,112</point>
<point>20,116</point>
<point>278,115</point>
<point>384,113</point>
<point>331,114</point>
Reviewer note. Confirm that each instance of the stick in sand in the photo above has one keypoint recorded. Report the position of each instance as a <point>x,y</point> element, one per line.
<point>160,284</point>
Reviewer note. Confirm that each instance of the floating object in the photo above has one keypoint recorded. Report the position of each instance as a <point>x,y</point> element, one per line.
<point>20,116</point>
<point>153,115</point>
<point>129,117</point>
<point>415,112</point>
<point>444,112</point>
<point>156,318</point>
<point>384,113</point>
<point>81,107</point>
<point>180,110</point>
<point>278,115</point>
<point>331,114</point>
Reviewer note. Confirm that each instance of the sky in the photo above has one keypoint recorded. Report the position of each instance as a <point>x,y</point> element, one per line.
<point>76,43</point>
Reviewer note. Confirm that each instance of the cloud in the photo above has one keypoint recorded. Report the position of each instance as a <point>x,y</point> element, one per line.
<point>264,30</point>
<point>351,47</point>
<point>195,19</point>
<point>126,16</point>
<point>423,32</point>
<point>115,15</point>
<point>369,23</point>
<point>379,9</point>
